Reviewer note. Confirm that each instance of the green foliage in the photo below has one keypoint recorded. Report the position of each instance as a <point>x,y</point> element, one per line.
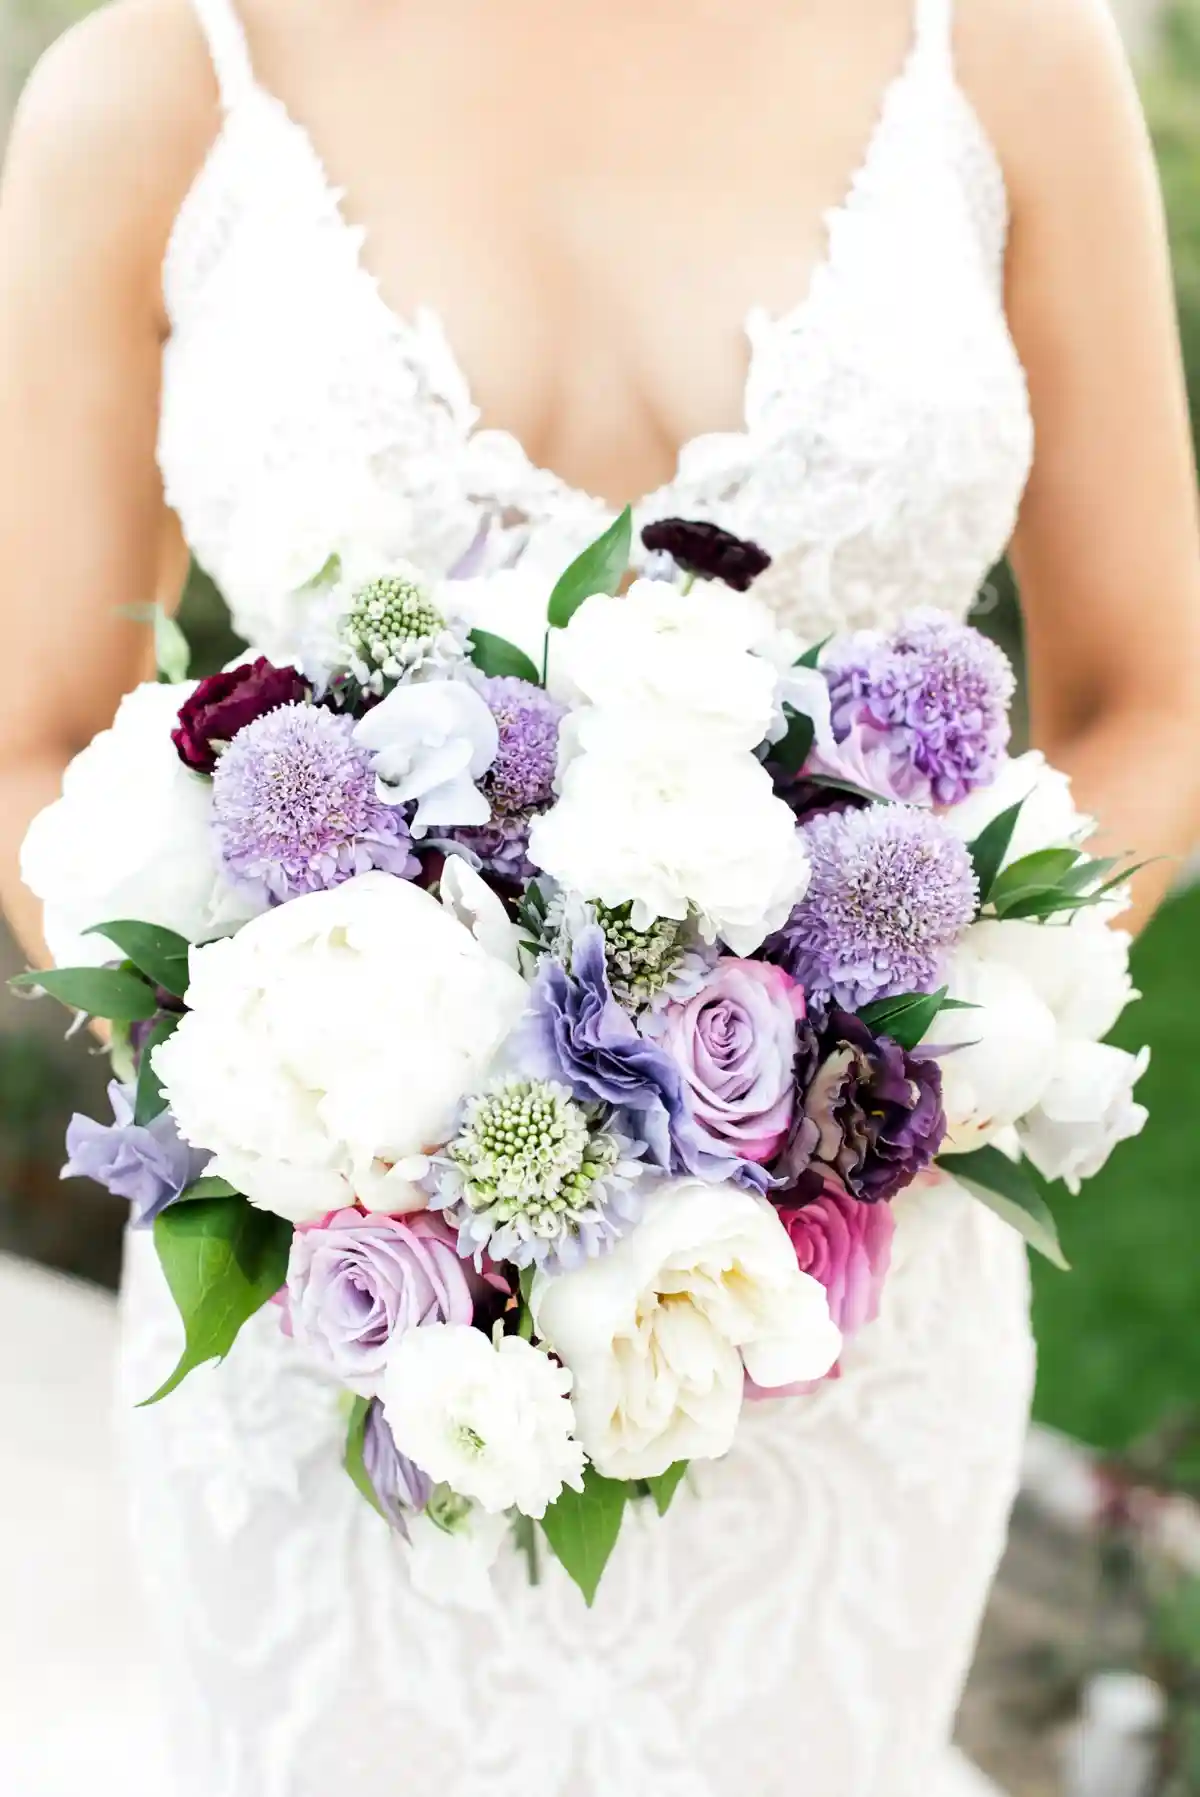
<point>111,992</point>
<point>162,955</point>
<point>663,1489</point>
<point>1010,1189</point>
<point>494,655</point>
<point>600,569</point>
<point>906,1019</point>
<point>582,1528</point>
<point>353,1460</point>
<point>151,1100</point>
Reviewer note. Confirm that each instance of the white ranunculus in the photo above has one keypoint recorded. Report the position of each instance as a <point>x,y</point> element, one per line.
<point>1079,969</point>
<point>1087,1108</point>
<point>664,819</point>
<point>1003,1049</point>
<point>661,1332</point>
<point>450,1560</point>
<point>494,1422</point>
<point>688,654</point>
<point>431,743</point>
<point>329,1044</point>
<point>1049,817</point>
<point>129,838</point>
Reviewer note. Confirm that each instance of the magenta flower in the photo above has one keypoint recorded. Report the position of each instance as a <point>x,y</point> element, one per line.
<point>846,1246</point>
<point>225,703</point>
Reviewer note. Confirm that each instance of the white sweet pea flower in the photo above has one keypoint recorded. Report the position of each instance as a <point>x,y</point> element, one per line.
<point>1049,817</point>
<point>431,743</point>
<point>292,1065</point>
<point>452,1548</point>
<point>493,1422</point>
<point>653,814</point>
<point>1003,1049</point>
<point>479,909</point>
<point>130,837</point>
<point>1079,969</point>
<point>1087,1108</point>
<point>661,1332</point>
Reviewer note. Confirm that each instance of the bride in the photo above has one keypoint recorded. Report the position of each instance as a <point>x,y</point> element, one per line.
<point>483,270</point>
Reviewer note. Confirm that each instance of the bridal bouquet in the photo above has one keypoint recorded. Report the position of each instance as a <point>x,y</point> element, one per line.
<point>541,998</point>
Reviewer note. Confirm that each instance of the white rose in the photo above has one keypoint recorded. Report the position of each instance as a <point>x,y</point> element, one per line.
<point>431,743</point>
<point>675,825</point>
<point>450,1560</point>
<point>690,654</point>
<point>129,838</point>
<point>329,1044</point>
<point>661,1332</point>
<point>492,1422</point>
<point>1003,1049</point>
<point>1079,969</point>
<point>1048,819</point>
<point>1087,1108</point>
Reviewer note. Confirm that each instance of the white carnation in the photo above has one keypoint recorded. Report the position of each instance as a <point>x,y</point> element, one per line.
<point>1003,1048</point>
<point>667,821</point>
<point>329,1044</point>
<point>1049,817</point>
<point>661,1332</point>
<point>129,838</point>
<point>492,1422</point>
<point>1087,1108</point>
<point>1079,969</point>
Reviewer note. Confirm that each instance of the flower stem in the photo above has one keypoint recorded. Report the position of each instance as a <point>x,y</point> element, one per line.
<point>527,1542</point>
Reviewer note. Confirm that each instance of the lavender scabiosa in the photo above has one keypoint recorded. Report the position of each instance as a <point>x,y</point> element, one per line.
<point>892,889</point>
<point>295,808</point>
<point>535,1178</point>
<point>520,782</point>
<point>932,700</point>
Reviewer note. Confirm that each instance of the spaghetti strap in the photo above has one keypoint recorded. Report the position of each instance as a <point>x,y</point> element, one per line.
<point>934,32</point>
<point>228,48</point>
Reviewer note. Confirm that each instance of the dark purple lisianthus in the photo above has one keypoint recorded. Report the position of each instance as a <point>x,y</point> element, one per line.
<point>870,1113</point>
<point>707,551</point>
<point>401,1488</point>
<point>149,1164</point>
<point>225,703</point>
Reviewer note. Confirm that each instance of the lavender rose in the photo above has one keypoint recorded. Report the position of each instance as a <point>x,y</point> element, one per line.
<point>146,1163</point>
<point>225,703</point>
<point>735,1043</point>
<point>356,1282</point>
<point>846,1246</point>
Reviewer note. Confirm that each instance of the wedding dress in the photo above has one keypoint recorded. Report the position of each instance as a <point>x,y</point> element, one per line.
<point>802,1621</point>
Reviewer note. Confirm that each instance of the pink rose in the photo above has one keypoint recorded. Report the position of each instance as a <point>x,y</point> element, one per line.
<point>847,1246</point>
<point>735,1044</point>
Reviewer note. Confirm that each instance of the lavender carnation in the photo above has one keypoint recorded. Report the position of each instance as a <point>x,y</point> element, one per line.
<point>933,697</point>
<point>892,889</point>
<point>520,782</point>
<point>401,1489</point>
<point>295,808</point>
<point>149,1164</point>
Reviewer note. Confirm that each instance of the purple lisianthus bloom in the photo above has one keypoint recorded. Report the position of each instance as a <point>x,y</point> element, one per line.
<point>357,1281</point>
<point>735,1043</point>
<point>149,1164</point>
<point>520,782</point>
<point>707,551</point>
<point>225,703</point>
<point>402,1489</point>
<point>924,713</point>
<point>295,808</point>
<point>869,1114</point>
<point>891,892</point>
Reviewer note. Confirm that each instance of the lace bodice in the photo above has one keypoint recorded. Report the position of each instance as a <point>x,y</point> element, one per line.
<point>887,434</point>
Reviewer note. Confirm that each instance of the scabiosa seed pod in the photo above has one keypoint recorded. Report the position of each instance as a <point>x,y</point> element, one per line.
<point>392,629</point>
<point>707,551</point>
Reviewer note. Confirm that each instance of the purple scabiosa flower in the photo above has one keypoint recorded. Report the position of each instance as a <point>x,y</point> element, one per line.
<point>225,703</point>
<point>520,782</point>
<point>870,1114</point>
<point>892,889</point>
<point>146,1163</point>
<point>930,703</point>
<point>401,1489</point>
<point>707,551</point>
<point>295,808</point>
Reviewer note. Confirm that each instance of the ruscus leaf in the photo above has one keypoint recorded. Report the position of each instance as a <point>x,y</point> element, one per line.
<point>663,1489</point>
<point>162,955</point>
<point>793,751</point>
<point>1007,1188</point>
<point>495,655</point>
<point>171,650</point>
<point>989,848</point>
<point>208,1186</point>
<point>582,1529</point>
<point>112,992</point>
<point>906,1019</point>
<point>354,1460</point>
<point>600,569</point>
<point>151,1100</point>
<point>812,657</point>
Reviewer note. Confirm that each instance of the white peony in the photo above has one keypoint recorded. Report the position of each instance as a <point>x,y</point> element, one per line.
<point>431,743</point>
<point>661,1332</point>
<point>689,654</point>
<point>1049,818</point>
<point>1087,1108</point>
<point>1003,1048</point>
<point>329,1044</point>
<point>494,1422</point>
<point>1079,969</point>
<point>666,820</point>
<point>129,838</point>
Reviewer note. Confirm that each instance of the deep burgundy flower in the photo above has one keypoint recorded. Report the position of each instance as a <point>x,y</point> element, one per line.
<point>707,551</point>
<point>870,1113</point>
<point>225,703</point>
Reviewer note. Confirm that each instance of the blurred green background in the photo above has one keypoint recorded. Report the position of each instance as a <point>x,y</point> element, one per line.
<point>1120,1346</point>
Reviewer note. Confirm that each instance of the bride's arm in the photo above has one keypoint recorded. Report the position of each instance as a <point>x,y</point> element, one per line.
<point>109,130</point>
<point>1108,547</point>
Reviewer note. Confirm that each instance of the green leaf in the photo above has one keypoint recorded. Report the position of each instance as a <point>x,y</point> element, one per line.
<point>112,992</point>
<point>582,1529</point>
<point>223,1260</point>
<point>209,1186</point>
<point>494,655</point>
<point>1007,1188</point>
<point>353,1459</point>
<point>907,1020</point>
<point>812,657</point>
<point>796,746</point>
<point>1033,876</point>
<point>835,784</point>
<point>171,650</point>
<point>600,569</point>
<point>663,1489</point>
<point>151,1100</point>
<point>989,848</point>
<point>162,955</point>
